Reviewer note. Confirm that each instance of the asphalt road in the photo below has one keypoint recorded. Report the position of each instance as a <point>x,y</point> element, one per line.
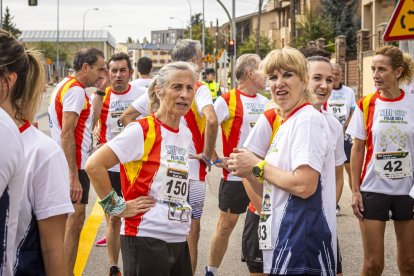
<point>348,231</point>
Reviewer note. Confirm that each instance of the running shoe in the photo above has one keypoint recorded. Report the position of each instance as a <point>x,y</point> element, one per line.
<point>209,273</point>
<point>338,210</point>
<point>114,271</point>
<point>101,242</point>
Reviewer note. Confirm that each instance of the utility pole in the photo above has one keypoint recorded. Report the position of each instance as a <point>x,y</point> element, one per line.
<point>204,35</point>
<point>1,14</point>
<point>259,16</point>
<point>57,44</point>
<point>233,60</point>
<point>292,21</point>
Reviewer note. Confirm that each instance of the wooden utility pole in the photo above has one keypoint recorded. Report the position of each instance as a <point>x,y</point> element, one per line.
<point>258,27</point>
<point>292,21</point>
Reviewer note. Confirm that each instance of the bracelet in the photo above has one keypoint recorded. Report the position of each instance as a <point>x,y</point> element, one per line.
<point>218,160</point>
<point>113,204</point>
<point>100,93</point>
<point>207,160</point>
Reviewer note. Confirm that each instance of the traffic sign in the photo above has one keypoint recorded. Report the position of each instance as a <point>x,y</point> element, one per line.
<point>208,58</point>
<point>49,61</point>
<point>219,54</point>
<point>401,26</point>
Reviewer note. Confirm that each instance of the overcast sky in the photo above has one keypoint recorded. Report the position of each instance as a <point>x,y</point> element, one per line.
<point>134,18</point>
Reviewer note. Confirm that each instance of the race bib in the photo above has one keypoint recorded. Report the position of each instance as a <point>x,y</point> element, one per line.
<point>176,186</point>
<point>338,108</point>
<point>115,122</point>
<point>265,223</point>
<point>393,164</point>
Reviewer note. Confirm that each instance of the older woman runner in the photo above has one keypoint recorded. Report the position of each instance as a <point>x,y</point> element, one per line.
<point>153,153</point>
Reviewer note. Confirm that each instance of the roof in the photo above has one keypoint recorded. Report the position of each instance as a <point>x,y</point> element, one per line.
<point>68,36</point>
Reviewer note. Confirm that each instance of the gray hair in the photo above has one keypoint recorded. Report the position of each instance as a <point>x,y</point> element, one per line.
<point>245,63</point>
<point>162,79</point>
<point>185,50</point>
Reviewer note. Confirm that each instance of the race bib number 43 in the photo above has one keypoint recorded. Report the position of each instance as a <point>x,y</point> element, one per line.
<point>175,188</point>
<point>393,164</point>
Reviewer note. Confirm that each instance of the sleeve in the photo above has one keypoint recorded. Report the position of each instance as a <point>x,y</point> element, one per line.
<point>258,140</point>
<point>129,144</point>
<point>221,109</point>
<point>339,152</point>
<point>51,187</point>
<point>202,98</point>
<point>12,148</point>
<point>141,104</point>
<point>309,144</point>
<point>356,126</point>
<point>353,101</point>
<point>74,100</point>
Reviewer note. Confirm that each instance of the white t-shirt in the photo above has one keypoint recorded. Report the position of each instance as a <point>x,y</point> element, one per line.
<point>141,85</point>
<point>336,137</point>
<point>70,96</point>
<point>302,227</point>
<point>12,168</point>
<point>154,162</point>
<point>46,195</point>
<point>237,113</point>
<point>112,107</point>
<point>388,133</point>
<point>202,98</point>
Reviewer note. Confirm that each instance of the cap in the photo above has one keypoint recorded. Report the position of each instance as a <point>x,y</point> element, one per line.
<point>210,71</point>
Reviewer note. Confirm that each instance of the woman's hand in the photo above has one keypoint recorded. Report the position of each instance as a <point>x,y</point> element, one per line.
<point>136,206</point>
<point>241,162</point>
<point>357,205</point>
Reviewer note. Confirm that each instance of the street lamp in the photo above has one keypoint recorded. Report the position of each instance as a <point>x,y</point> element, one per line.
<point>182,22</point>
<point>191,25</point>
<point>83,28</point>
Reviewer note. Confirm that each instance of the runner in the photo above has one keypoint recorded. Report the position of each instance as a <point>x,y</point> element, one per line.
<point>70,119</point>
<point>382,126</point>
<point>291,177</point>
<point>144,67</point>
<point>12,168</point>
<point>118,96</point>
<point>202,122</point>
<point>46,201</point>
<point>237,112</point>
<point>153,153</point>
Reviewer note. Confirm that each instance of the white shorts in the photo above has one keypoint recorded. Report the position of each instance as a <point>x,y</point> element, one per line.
<point>196,197</point>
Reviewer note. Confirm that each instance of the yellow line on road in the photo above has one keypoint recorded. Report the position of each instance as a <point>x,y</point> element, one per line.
<point>87,237</point>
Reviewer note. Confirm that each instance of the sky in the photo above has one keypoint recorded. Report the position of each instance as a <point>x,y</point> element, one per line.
<point>128,18</point>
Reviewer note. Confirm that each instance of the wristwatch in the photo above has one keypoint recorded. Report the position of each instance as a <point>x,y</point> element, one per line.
<point>258,169</point>
<point>100,93</point>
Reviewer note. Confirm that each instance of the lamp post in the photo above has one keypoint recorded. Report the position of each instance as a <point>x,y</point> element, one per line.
<point>191,25</point>
<point>1,14</point>
<point>104,43</point>
<point>57,43</point>
<point>182,22</point>
<point>83,28</point>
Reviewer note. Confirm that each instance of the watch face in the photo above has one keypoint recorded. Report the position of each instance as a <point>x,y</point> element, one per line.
<point>256,171</point>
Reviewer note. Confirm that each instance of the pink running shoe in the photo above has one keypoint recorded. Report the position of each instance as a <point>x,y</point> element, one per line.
<point>101,242</point>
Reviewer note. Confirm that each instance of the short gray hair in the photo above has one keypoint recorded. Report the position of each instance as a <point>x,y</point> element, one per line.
<point>185,50</point>
<point>246,62</point>
<point>162,79</point>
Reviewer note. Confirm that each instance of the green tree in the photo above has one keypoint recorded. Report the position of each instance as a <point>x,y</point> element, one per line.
<point>197,31</point>
<point>248,46</point>
<point>8,24</point>
<point>49,51</point>
<point>314,25</point>
<point>345,18</point>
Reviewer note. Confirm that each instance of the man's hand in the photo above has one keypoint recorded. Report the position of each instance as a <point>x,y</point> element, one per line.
<point>103,83</point>
<point>136,206</point>
<point>76,190</point>
<point>241,162</point>
<point>357,205</point>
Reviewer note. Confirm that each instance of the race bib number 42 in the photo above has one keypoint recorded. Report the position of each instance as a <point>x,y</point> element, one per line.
<point>175,188</point>
<point>393,164</point>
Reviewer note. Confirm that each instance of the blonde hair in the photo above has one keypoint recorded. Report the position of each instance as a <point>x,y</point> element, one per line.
<point>162,79</point>
<point>31,76</point>
<point>398,59</point>
<point>288,59</point>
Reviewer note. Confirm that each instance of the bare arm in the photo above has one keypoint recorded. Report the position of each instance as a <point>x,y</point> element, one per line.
<point>129,115</point>
<point>52,233</point>
<point>339,175</point>
<point>69,122</point>
<point>357,159</point>
<point>97,108</point>
<point>211,130</point>
<point>349,119</point>
<point>254,190</point>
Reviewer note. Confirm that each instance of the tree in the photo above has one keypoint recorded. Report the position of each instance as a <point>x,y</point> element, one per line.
<point>345,18</point>
<point>8,24</point>
<point>248,46</point>
<point>49,51</point>
<point>197,29</point>
<point>314,25</point>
